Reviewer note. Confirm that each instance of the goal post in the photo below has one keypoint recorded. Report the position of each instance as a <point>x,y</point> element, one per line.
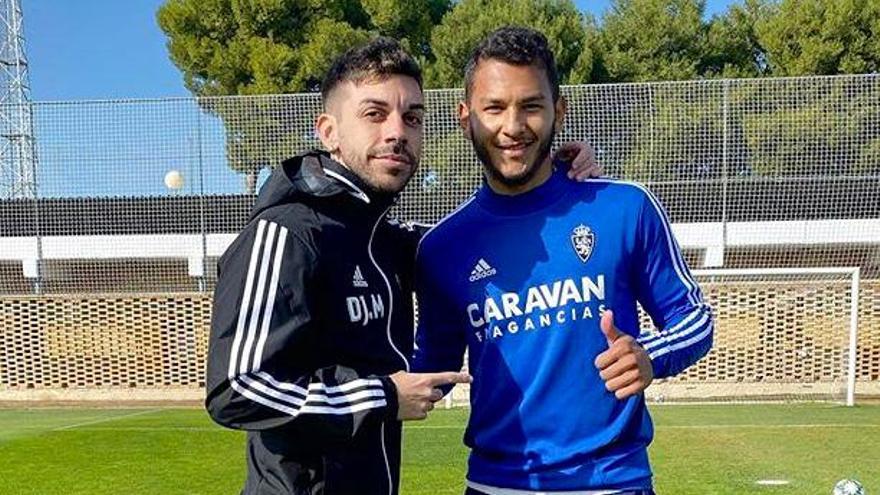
<point>779,336</point>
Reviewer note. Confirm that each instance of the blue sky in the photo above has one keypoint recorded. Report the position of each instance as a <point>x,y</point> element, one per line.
<point>96,49</point>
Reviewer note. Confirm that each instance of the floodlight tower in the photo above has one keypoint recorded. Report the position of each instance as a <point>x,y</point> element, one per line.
<point>18,162</point>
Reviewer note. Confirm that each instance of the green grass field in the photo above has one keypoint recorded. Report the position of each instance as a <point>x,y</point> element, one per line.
<point>697,450</point>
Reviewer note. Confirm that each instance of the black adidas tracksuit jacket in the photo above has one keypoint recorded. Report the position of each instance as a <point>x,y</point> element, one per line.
<point>312,312</point>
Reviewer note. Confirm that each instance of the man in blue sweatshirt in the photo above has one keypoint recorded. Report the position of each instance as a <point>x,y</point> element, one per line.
<point>539,278</point>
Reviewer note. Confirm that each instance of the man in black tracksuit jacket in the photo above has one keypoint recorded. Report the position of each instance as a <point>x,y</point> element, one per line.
<point>309,321</point>
<point>313,322</point>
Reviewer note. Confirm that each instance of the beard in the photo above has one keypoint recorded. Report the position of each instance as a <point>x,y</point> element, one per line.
<point>377,180</point>
<point>481,148</point>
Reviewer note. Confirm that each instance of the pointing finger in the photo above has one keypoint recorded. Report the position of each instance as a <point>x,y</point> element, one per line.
<point>447,378</point>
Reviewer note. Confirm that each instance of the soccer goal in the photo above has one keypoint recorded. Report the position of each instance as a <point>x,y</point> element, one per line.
<point>782,334</point>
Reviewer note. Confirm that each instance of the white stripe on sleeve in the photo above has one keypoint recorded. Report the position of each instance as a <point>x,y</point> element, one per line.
<point>252,331</point>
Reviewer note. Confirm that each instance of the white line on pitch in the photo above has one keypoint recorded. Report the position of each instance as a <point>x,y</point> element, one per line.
<point>105,420</point>
<point>772,482</point>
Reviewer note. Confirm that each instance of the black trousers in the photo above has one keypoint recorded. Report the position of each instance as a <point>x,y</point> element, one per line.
<point>471,491</point>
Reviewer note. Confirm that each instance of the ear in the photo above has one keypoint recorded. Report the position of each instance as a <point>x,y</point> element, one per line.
<point>561,107</point>
<point>328,132</point>
<point>464,119</point>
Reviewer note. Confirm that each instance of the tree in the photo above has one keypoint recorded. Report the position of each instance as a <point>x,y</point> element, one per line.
<point>588,67</point>
<point>814,37</point>
<point>810,127</point>
<point>733,48</point>
<point>680,134</point>
<point>650,40</point>
<point>255,47</point>
<point>682,127</point>
<point>471,20</point>
<point>820,127</point>
<point>654,40</point>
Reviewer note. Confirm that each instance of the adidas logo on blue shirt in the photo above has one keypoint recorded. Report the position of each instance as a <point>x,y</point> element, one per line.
<point>481,271</point>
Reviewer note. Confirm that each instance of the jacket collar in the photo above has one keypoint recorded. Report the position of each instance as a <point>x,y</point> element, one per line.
<point>355,185</point>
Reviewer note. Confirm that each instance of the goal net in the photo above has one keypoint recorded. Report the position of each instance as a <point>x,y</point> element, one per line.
<point>784,334</point>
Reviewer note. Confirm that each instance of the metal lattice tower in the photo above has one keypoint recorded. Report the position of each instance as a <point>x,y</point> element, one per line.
<point>17,148</point>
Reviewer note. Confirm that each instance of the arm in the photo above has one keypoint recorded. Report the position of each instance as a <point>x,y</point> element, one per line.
<point>670,295</point>
<point>261,365</point>
<point>440,339</point>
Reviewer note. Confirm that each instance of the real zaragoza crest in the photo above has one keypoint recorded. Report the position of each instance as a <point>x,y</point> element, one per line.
<point>583,239</point>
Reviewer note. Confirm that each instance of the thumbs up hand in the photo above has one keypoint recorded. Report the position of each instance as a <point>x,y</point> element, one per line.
<point>625,366</point>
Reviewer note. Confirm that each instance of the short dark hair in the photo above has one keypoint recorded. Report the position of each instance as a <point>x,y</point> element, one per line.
<point>516,46</point>
<point>380,58</point>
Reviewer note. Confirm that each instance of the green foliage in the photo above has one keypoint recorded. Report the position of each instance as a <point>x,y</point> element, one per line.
<point>471,20</point>
<point>226,47</point>
<point>665,148</point>
<point>826,129</point>
<point>769,130</point>
<point>806,37</point>
<point>791,128</point>
<point>733,48</point>
<point>869,158</point>
<point>408,20</point>
<point>654,40</point>
<point>588,67</point>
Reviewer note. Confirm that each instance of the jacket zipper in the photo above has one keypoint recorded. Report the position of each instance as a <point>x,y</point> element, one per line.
<point>390,340</point>
<point>390,292</point>
<point>387,464</point>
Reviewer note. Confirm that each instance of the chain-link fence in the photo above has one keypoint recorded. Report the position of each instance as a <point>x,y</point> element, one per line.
<point>133,200</point>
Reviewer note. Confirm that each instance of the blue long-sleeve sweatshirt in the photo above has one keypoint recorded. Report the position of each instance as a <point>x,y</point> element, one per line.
<point>521,282</point>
